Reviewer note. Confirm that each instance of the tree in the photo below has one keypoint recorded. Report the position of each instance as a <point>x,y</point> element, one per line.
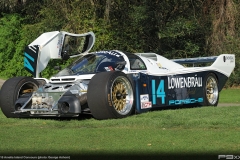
<point>172,28</point>
<point>10,6</point>
<point>180,31</point>
<point>222,14</point>
<point>224,37</point>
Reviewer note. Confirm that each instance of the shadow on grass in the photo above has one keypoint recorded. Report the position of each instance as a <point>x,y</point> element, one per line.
<point>186,106</point>
<point>88,115</point>
<point>62,118</point>
<point>85,116</point>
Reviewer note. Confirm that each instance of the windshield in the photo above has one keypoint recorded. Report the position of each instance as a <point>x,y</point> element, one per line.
<point>92,63</point>
<point>86,64</point>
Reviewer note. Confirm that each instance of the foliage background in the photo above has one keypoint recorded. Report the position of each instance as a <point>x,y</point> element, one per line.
<point>172,28</point>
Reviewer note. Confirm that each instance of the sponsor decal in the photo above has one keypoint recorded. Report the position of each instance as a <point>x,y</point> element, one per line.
<point>109,100</point>
<point>59,45</point>
<point>228,58</point>
<point>136,75</point>
<point>145,105</point>
<point>109,68</point>
<point>30,59</point>
<point>144,98</point>
<point>159,65</point>
<point>158,92</point>
<point>184,82</point>
<point>27,64</point>
<point>180,84</point>
<point>113,53</point>
<point>185,101</point>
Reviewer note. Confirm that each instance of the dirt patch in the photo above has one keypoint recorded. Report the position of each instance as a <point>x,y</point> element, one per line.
<point>228,104</point>
<point>233,87</point>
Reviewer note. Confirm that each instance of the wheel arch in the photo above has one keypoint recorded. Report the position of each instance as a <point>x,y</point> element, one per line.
<point>11,91</point>
<point>110,95</point>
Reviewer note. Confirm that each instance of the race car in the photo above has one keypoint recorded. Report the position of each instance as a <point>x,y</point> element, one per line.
<point>109,84</point>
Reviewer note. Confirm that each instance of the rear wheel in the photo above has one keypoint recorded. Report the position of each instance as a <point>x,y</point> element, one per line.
<point>110,95</point>
<point>211,92</point>
<point>11,90</point>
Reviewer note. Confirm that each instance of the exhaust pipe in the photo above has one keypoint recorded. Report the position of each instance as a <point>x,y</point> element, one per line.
<point>63,107</point>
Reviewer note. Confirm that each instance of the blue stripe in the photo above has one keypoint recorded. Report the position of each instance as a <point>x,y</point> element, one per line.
<point>28,65</point>
<point>28,56</point>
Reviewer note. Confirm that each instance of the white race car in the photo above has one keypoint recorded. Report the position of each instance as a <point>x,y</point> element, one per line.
<point>108,84</point>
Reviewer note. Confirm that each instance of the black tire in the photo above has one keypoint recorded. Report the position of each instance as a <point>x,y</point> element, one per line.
<point>110,95</point>
<point>210,91</point>
<point>11,90</point>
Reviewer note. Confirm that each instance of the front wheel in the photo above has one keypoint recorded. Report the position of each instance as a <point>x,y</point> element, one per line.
<point>211,93</point>
<point>110,95</point>
<point>11,90</point>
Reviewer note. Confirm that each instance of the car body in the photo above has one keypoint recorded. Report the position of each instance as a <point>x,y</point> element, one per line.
<point>109,84</point>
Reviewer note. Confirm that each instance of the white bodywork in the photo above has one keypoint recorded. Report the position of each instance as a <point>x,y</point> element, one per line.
<point>161,66</point>
<point>51,43</point>
<point>164,66</point>
<point>51,46</point>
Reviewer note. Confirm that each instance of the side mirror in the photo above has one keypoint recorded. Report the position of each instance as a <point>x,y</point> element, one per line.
<point>65,55</point>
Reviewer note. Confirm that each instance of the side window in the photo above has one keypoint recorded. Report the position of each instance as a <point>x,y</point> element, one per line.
<point>137,64</point>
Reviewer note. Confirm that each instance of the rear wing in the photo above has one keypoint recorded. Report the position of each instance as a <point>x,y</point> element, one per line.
<point>224,63</point>
<point>55,45</point>
<point>195,60</point>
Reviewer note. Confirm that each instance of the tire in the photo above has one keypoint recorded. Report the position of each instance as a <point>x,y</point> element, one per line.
<point>211,92</point>
<point>110,95</point>
<point>11,90</point>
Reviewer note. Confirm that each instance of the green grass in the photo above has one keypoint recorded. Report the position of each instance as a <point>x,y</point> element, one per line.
<point>192,131</point>
<point>208,130</point>
<point>229,96</point>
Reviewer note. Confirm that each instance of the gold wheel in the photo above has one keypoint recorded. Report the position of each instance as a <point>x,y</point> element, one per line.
<point>110,95</point>
<point>122,95</point>
<point>211,90</point>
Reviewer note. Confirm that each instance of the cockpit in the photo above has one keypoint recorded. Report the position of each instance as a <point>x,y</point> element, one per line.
<point>100,62</point>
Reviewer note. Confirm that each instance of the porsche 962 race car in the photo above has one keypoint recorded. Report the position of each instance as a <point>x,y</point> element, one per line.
<point>109,84</point>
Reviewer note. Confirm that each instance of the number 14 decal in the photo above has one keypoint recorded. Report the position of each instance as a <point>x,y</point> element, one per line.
<point>159,93</point>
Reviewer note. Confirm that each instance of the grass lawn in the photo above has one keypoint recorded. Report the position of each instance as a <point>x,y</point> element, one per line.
<point>230,96</point>
<point>201,132</point>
